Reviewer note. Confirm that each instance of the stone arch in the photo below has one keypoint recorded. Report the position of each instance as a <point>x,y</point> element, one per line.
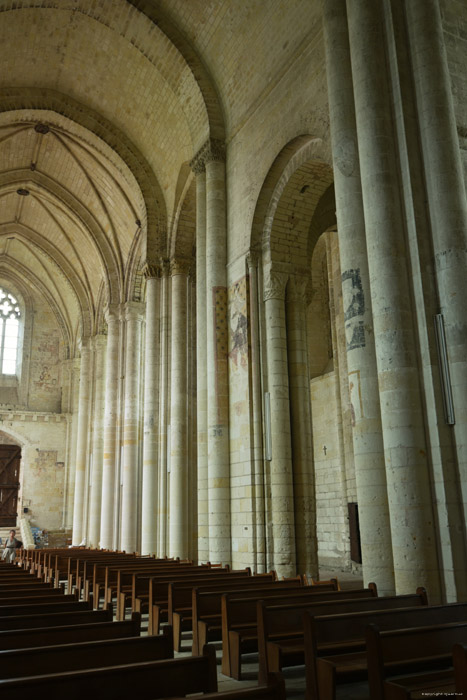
<point>296,153</point>
<point>183,239</point>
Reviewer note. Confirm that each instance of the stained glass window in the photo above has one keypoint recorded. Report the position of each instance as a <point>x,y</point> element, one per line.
<point>10,315</point>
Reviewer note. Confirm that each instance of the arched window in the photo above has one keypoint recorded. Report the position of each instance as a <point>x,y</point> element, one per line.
<point>10,315</point>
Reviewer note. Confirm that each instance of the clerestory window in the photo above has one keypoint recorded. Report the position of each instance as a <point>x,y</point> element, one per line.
<point>10,315</point>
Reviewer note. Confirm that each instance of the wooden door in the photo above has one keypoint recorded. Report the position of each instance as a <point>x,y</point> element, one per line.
<point>10,456</point>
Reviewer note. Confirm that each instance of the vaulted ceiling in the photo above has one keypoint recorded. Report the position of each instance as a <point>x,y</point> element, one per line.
<point>102,106</point>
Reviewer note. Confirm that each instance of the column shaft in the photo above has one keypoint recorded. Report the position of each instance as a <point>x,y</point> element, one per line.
<point>217,367</point>
<point>302,440</point>
<point>408,478</point>
<point>97,449</point>
<point>151,417</point>
<point>131,438</point>
<point>201,367</point>
<point>367,436</point>
<point>281,476</point>
<point>445,185</point>
<point>178,534</point>
<point>110,430</point>
<point>82,443</point>
<point>163,412</point>
<point>257,419</point>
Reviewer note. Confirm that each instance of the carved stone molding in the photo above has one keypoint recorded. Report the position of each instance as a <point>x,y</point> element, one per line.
<point>212,150</point>
<point>299,289</point>
<point>274,285</point>
<point>151,271</point>
<point>180,266</point>
<point>112,313</point>
<point>251,259</point>
<point>133,311</point>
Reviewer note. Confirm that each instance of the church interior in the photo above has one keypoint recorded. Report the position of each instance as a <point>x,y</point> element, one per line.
<point>233,281</point>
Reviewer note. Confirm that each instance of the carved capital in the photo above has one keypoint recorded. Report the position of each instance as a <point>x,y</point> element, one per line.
<point>151,271</point>
<point>197,164</point>
<point>252,259</point>
<point>274,285</point>
<point>180,266</point>
<point>212,150</point>
<point>112,313</point>
<point>299,289</point>
<point>133,311</point>
<point>99,341</point>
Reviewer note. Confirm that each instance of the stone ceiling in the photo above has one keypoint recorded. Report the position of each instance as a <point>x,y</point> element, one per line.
<point>102,105</point>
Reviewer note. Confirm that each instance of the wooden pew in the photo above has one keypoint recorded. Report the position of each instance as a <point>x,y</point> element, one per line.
<point>54,606</point>
<point>18,622</point>
<point>146,681</point>
<point>28,597</point>
<point>240,627</point>
<point>417,655</point>
<point>459,653</point>
<point>67,634</point>
<point>135,584</point>
<point>207,605</point>
<point>119,579</point>
<point>332,642</point>
<point>273,690</point>
<point>283,626</point>
<point>158,589</point>
<point>180,598</point>
<point>37,661</point>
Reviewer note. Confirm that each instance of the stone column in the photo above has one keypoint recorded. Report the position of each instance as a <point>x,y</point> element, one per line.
<point>72,432</point>
<point>163,411</point>
<point>131,436</point>
<point>302,439</point>
<point>85,389</point>
<point>179,508</point>
<point>97,448</point>
<point>201,363</point>
<point>408,478</point>
<point>110,428</point>
<point>445,185</point>
<point>151,413</point>
<point>217,354</point>
<point>281,475</point>
<point>370,473</point>
<point>257,417</point>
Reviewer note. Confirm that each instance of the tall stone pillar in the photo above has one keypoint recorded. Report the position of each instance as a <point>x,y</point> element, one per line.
<point>445,185</point>
<point>201,363</point>
<point>281,474</point>
<point>163,410</point>
<point>150,488</point>
<point>97,448</point>
<point>217,354</point>
<point>257,417</point>
<point>302,440</point>
<point>72,432</point>
<point>85,388</point>
<point>112,363</point>
<point>179,507</point>
<point>131,432</point>
<point>408,478</point>
<point>370,473</point>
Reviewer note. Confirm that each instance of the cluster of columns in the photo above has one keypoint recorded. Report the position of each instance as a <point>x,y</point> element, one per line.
<point>377,52</point>
<point>135,476</point>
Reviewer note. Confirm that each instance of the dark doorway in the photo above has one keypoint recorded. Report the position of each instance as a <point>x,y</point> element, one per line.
<point>10,456</point>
